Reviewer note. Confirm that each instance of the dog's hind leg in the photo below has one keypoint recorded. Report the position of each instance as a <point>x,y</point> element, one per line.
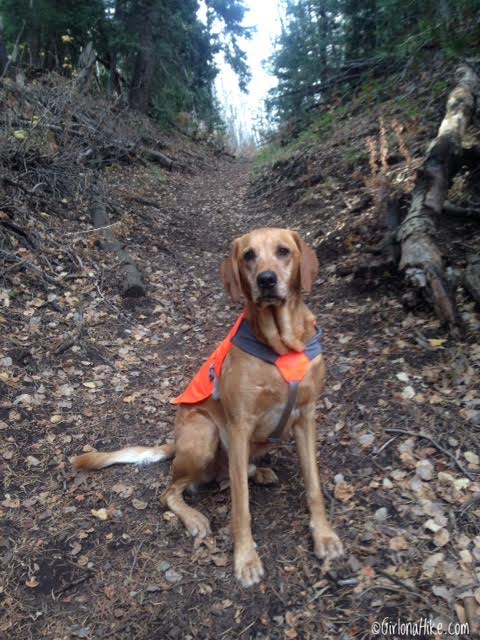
<point>197,443</point>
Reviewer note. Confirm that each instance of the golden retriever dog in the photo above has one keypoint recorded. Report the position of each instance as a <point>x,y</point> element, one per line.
<point>255,404</point>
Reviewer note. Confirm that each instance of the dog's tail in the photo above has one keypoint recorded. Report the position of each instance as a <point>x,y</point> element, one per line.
<point>129,455</point>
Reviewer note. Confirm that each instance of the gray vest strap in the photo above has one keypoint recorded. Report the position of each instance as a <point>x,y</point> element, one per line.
<point>276,435</point>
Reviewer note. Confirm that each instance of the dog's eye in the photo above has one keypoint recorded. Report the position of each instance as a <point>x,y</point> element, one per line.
<point>249,255</point>
<point>283,252</point>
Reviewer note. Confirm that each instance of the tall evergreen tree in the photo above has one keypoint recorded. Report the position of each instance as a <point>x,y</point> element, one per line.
<point>337,40</point>
<point>157,52</point>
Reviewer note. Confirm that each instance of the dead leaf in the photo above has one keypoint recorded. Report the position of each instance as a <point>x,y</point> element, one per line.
<point>32,582</point>
<point>101,514</point>
<point>398,543</point>
<point>344,491</point>
<point>441,537</point>
<point>11,503</point>
<point>123,490</point>
<point>436,343</point>
<point>139,504</point>
<point>220,559</point>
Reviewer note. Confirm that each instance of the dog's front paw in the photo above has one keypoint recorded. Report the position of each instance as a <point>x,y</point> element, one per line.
<point>264,475</point>
<point>248,567</point>
<point>327,544</point>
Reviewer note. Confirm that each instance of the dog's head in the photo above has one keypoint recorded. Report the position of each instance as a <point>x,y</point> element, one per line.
<point>268,265</point>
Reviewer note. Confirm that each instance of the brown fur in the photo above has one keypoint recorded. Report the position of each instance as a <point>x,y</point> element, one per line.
<point>218,438</point>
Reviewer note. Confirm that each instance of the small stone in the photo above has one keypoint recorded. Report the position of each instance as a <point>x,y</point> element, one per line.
<point>6,362</point>
<point>424,469</point>
<point>472,457</point>
<point>431,525</point>
<point>172,576</point>
<point>381,514</point>
<point>163,566</point>
<point>387,483</point>
<point>408,393</point>
<point>139,504</point>
<point>366,439</point>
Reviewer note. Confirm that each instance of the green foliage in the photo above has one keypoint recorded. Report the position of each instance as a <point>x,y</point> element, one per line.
<point>158,52</point>
<point>334,47</point>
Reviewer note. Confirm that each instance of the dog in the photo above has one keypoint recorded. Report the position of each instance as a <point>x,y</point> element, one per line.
<point>242,404</point>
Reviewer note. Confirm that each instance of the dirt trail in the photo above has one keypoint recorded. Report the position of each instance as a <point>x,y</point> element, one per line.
<point>95,556</point>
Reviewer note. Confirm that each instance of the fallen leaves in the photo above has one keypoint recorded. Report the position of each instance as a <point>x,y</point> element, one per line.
<point>124,490</point>
<point>343,491</point>
<point>100,514</point>
<point>11,503</point>
<point>398,543</point>
<point>441,537</point>
<point>32,583</point>
<point>139,504</point>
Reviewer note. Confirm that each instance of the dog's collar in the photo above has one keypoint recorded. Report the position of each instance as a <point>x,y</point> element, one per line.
<point>246,340</point>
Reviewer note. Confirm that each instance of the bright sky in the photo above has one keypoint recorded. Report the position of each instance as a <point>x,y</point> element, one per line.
<point>245,110</point>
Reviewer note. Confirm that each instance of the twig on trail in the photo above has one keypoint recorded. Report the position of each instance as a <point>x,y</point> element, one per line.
<point>78,233</point>
<point>135,558</point>
<point>437,446</point>
<point>246,628</point>
<point>408,588</point>
<point>74,583</point>
<point>385,445</point>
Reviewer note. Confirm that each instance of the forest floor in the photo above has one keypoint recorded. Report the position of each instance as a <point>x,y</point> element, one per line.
<point>96,556</point>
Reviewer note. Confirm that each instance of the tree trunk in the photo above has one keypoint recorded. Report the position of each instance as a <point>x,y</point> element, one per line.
<point>34,35</point>
<point>3,52</point>
<point>421,259</point>
<point>472,278</point>
<point>144,67</point>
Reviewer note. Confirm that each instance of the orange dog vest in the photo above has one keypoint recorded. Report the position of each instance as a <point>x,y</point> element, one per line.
<point>292,366</point>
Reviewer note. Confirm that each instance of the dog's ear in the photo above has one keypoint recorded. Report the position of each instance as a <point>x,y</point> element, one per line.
<point>231,274</point>
<point>308,263</point>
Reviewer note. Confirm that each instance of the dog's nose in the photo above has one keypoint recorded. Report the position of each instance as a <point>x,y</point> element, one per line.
<point>267,280</point>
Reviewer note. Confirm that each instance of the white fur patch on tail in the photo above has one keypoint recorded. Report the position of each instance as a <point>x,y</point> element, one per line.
<point>139,455</point>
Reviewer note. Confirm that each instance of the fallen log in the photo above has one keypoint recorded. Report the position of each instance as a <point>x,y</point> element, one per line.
<point>421,259</point>
<point>132,285</point>
<point>156,156</point>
